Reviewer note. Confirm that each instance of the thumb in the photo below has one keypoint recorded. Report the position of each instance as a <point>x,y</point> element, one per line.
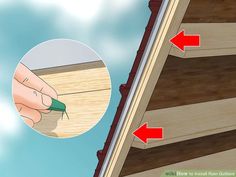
<point>30,97</point>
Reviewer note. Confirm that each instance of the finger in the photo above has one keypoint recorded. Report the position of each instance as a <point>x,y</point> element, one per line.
<point>30,97</point>
<point>29,79</point>
<point>28,121</point>
<point>29,113</point>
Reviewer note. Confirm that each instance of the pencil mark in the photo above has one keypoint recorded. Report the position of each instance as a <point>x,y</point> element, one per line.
<point>98,90</point>
<point>67,115</point>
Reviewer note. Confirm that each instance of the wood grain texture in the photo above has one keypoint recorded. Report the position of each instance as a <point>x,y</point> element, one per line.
<point>85,89</point>
<point>190,121</point>
<point>215,39</point>
<point>84,110</point>
<point>219,161</point>
<point>77,78</point>
<point>139,160</point>
<point>189,81</point>
<point>211,11</point>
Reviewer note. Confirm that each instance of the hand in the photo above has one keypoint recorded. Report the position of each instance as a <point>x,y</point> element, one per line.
<point>31,94</point>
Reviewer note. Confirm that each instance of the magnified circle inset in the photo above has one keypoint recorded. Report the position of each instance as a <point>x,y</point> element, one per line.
<point>61,88</point>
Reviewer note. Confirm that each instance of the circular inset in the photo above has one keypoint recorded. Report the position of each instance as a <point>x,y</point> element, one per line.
<point>61,88</point>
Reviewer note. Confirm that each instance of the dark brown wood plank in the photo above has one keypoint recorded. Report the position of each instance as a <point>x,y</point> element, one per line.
<point>139,160</point>
<point>210,11</point>
<point>188,81</point>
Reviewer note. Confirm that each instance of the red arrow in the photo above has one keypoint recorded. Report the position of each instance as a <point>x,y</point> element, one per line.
<point>144,133</point>
<point>181,40</point>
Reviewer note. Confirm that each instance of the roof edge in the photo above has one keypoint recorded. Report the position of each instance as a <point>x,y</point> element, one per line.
<point>125,89</point>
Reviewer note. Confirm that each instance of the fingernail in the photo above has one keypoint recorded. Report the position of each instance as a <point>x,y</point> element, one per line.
<point>47,101</point>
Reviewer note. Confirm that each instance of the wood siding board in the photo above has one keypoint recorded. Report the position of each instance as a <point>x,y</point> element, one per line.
<point>219,161</point>
<point>190,121</point>
<point>211,11</point>
<point>139,160</point>
<point>189,81</point>
<point>77,78</point>
<point>85,89</point>
<point>84,110</point>
<point>217,39</point>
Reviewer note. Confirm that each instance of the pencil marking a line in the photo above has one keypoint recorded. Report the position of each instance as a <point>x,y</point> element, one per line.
<point>84,92</point>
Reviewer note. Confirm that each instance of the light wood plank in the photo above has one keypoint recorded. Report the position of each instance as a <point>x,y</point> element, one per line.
<point>220,161</point>
<point>157,57</point>
<point>85,89</point>
<point>191,121</point>
<point>216,39</point>
<point>84,109</point>
<point>77,78</point>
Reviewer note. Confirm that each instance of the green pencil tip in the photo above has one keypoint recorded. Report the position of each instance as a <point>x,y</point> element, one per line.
<point>57,106</point>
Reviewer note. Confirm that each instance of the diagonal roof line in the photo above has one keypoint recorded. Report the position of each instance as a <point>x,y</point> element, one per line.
<point>127,90</point>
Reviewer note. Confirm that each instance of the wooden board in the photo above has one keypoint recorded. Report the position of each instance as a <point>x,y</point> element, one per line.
<point>190,121</point>
<point>85,89</point>
<point>190,81</point>
<point>157,57</point>
<point>215,39</point>
<point>84,110</point>
<point>77,78</point>
<point>220,161</point>
<point>139,160</point>
<point>211,11</point>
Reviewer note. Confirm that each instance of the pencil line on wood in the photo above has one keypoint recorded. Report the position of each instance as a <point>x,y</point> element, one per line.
<point>84,91</point>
